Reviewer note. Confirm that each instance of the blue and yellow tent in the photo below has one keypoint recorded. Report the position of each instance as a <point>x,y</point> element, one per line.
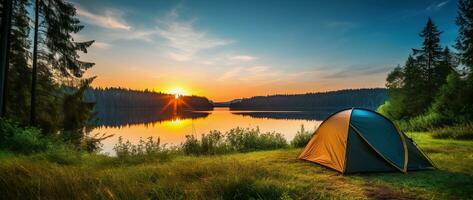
<point>361,140</point>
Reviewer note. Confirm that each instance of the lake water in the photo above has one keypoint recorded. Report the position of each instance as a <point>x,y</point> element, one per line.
<point>133,125</point>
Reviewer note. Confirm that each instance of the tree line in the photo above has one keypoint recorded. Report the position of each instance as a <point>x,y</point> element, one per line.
<point>122,98</point>
<point>43,83</point>
<point>367,98</point>
<point>435,85</point>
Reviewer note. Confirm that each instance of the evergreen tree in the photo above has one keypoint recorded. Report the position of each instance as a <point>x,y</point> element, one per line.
<point>428,57</point>
<point>446,66</point>
<point>464,46</point>
<point>464,42</point>
<point>58,59</point>
<point>19,72</point>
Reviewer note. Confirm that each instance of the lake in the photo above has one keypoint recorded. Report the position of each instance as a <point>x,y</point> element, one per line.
<point>135,124</point>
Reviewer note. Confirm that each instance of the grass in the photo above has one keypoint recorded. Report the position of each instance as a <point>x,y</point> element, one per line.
<point>275,174</point>
<point>460,132</point>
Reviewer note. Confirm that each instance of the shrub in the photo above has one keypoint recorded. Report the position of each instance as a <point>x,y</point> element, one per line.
<point>235,140</point>
<point>246,139</point>
<point>213,143</point>
<point>461,131</point>
<point>301,138</point>
<point>21,140</point>
<point>145,150</point>
<point>191,145</point>
<point>62,154</point>
<point>424,122</point>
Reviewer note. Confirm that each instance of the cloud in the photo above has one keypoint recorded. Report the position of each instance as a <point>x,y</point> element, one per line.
<point>243,58</point>
<point>437,5</point>
<point>101,45</point>
<point>257,69</point>
<point>262,74</point>
<point>233,73</point>
<point>111,19</point>
<point>184,40</point>
<point>356,71</point>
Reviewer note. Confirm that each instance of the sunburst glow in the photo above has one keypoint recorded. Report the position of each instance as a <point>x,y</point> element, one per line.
<point>177,92</point>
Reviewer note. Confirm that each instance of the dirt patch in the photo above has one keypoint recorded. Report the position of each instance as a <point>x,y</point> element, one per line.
<point>383,192</point>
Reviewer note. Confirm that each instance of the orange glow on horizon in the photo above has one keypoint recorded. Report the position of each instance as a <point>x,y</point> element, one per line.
<point>177,92</point>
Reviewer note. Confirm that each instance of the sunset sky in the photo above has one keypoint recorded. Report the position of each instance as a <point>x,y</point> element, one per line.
<point>232,49</point>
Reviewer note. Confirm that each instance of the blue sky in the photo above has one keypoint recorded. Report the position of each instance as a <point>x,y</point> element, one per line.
<point>232,49</point>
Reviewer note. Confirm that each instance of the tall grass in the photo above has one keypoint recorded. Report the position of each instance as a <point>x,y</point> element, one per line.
<point>302,137</point>
<point>461,131</point>
<point>145,150</point>
<point>424,122</point>
<point>235,140</point>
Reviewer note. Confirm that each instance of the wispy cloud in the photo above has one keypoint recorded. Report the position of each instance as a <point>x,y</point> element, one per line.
<point>232,73</point>
<point>244,58</point>
<point>101,45</point>
<point>263,74</point>
<point>437,5</point>
<point>110,19</point>
<point>356,71</point>
<point>184,39</point>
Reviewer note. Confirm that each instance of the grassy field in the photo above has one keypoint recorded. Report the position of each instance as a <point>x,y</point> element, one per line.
<point>259,175</point>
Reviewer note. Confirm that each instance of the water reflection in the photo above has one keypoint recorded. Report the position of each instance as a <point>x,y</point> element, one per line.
<point>129,117</point>
<point>172,128</point>
<point>305,115</point>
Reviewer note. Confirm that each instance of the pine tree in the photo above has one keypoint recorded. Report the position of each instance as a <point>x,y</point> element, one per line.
<point>414,87</point>
<point>428,57</point>
<point>446,66</point>
<point>464,46</point>
<point>57,61</point>
<point>464,42</point>
<point>19,72</point>
<point>63,52</point>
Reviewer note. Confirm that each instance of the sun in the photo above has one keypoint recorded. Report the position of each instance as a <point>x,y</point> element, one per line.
<point>177,92</point>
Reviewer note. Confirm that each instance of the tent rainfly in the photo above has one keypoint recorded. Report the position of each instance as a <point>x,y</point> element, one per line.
<point>361,140</point>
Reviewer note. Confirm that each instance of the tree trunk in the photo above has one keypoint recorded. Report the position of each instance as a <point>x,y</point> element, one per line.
<point>35,66</point>
<point>5,51</point>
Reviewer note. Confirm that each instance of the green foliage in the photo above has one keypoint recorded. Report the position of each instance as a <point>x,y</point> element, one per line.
<point>149,149</point>
<point>62,154</point>
<point>273,174</point>
<point>461,132</point>
<point>301,138</point>
<point>423,122</point>
<point>246,139</point>
<point>452,101</point>
<point>235,140</point>
<point>19,139</point>
<point>19,74</point>
<point>428,92</point>
<point>464,42</point>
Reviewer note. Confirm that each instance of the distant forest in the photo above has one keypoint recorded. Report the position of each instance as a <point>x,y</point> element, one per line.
<point>366,98</point>
<point>113,98</point>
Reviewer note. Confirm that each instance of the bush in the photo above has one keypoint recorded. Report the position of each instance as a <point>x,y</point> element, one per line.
<point>21,140</point>
<point>62,154</point>
<point>145,150</point>
<point>424,122</point>
<point>246,139</point>
<point>301,138</point>
<point>235,140</point>
<point>461,131</point>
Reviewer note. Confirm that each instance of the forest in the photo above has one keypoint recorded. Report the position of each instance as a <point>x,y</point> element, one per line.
<point>433,90</point>
<point>333,100</point>
<point>47,150</point>
<point>118,98</point>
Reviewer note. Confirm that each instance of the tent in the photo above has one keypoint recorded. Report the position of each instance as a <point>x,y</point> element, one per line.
<point>361,140</point>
